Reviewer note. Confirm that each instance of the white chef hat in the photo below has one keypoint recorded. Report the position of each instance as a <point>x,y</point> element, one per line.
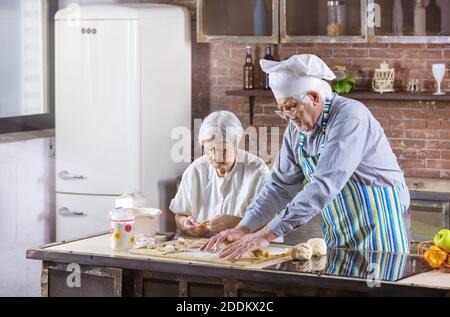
<point>297,75</point>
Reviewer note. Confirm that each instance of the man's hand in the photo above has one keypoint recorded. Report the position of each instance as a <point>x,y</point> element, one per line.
<point>250,242</point>
<point>229,235</point>
<point>223,222</point>
<point>190,226</point>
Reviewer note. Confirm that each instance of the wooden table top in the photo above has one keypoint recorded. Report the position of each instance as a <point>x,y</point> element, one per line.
<point>98,247</point>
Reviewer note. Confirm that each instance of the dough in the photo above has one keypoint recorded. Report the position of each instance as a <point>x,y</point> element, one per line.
<point>303,266</point>
<point>261,254</point>
<point>319,246</point>
<point>169,249</point>
<point>319,263</point>
<point>303,251</point>
<point>203,224</point>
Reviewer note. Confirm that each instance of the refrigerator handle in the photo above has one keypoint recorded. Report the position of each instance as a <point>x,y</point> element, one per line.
<point>69,176</point>
<point>66,212</point>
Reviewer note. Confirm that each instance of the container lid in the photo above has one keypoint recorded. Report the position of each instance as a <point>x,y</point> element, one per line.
<point>120,12</point>
<point>121,215</point>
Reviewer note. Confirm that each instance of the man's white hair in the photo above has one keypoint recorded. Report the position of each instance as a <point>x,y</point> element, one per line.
<point>319,85</point>
<point>224,125</point>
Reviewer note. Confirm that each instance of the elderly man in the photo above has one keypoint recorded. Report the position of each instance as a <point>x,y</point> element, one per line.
<point>335,161</point>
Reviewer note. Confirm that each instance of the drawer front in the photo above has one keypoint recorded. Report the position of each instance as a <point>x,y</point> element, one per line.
<point>82,215</point>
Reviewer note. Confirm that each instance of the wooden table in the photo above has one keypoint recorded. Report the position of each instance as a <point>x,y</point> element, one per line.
<point>105,272</point>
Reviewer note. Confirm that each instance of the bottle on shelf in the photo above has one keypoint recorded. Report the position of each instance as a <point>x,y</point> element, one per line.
<point>265,77</point>
<point>248,70</point>
<point>420,19</point>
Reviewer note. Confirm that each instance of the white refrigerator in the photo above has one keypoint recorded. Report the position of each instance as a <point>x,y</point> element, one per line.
<point>123,84</point>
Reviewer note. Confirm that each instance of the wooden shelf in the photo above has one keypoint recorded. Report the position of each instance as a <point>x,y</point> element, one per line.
<point>250,93</point>
<point>359,95</point>
<point>367,95</point>
<point>402,96</point>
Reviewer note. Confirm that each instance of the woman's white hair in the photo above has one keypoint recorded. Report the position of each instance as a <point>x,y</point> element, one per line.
<point>319,85</point>
<point>224,125</point>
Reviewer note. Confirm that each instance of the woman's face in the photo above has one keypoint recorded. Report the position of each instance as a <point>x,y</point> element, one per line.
<point>221,155</point>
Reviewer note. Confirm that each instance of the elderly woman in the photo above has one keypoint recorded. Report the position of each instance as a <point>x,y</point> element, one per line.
<point>217,188</point>
<point>338,149</point>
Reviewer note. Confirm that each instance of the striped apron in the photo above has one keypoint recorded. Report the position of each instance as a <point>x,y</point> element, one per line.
<point>366,264</point>
<point>360,216</point>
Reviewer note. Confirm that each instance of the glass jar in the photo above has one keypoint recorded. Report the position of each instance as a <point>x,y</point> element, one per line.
<point>336,18</point>
<point>122,230</point>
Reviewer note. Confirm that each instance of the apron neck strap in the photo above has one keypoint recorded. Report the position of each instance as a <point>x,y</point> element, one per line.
<point>326,112</point>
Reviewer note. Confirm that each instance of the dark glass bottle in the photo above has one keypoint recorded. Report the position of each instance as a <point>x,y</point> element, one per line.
<point>265,77</point>
<point>433,18</point>
<point>249,70</point>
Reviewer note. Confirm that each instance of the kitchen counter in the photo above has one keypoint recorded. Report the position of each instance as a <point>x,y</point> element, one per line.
<point>119,273</point>
<point>27,135</point>
<point>429,188</point>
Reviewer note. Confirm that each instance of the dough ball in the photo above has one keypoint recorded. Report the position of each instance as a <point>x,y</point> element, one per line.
<point>319,246</point>
<point>319,263</point>
<point>303,251</point>
<point>305,266</point>
<point>169,249</point>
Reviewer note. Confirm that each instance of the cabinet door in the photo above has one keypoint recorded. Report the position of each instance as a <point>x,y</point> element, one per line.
<point>82,215</point>
<point>95,281</point>
<point>244,21</point>
<point>97,106</point>
<point>407,21</point>
<point>312,21</point>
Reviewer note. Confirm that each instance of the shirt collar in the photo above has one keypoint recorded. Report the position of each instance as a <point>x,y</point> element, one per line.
<point>319,123</point>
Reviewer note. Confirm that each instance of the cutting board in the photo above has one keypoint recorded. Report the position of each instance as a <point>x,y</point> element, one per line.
<point>195,255</point>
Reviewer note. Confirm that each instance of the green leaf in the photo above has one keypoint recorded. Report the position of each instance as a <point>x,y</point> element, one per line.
<point>344,85</point>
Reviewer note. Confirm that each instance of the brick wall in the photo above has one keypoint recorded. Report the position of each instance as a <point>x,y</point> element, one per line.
<point>419,132</point>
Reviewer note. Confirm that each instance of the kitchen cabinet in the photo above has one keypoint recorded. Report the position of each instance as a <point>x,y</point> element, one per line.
<point>406,21</point>
<point>312,21</point>
<point>430,206</point>
<point>241,21</point>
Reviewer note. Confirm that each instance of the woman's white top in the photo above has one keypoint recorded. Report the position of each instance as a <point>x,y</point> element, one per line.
<point>204,195</point>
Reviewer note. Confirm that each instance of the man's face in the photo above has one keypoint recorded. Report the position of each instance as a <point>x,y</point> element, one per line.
<point>303,115</point>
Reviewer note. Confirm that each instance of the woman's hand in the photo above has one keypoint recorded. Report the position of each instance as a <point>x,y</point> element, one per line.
<point>229,235</point>
<point>223,222</point>
<point>190,226</point>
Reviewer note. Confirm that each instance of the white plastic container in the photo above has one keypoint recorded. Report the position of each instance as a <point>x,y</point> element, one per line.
<point>122,230</point>
<point>146,220</point>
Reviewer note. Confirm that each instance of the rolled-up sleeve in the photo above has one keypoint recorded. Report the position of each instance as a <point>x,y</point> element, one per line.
<point>285,182</point>
<point>344,150</point>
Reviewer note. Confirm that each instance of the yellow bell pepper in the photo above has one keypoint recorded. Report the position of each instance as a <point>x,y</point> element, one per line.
<point>435,257</point>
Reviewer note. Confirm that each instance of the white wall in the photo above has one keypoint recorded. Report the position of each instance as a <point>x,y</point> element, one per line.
<point>26,212</point>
